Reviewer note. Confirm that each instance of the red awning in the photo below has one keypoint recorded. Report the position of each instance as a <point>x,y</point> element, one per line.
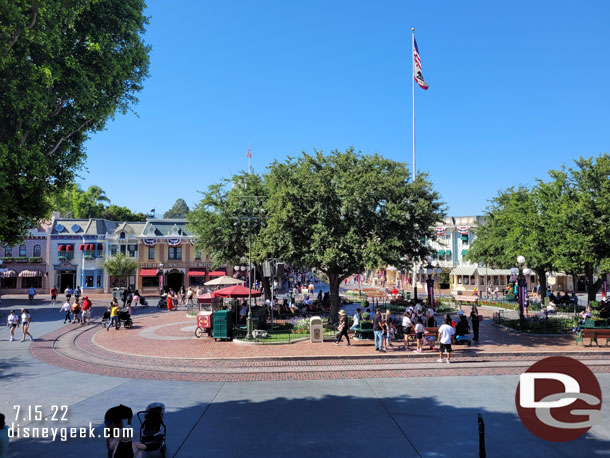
<point>61,248</point>
<point>217,273</point>
<point>235,291</point>
<point>81,247</point>
<point>196,273</point>
<point>69,247</point>
<point>100,247</point>
<point>148,272</point>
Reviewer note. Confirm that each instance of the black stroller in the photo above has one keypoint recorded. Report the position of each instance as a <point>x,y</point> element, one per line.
<point>124,318</point>
<point>152,428</point>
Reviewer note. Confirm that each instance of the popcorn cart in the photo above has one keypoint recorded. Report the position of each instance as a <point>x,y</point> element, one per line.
<point>204,323</point>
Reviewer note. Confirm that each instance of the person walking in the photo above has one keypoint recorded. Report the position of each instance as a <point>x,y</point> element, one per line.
<point>77,293</point>
<point>407,325</point>
<point>189,296</point>
<point>12,322</point>
<point>31,294</point>
<point>67,308</point>
<point>445,337</point>
<point>26,320</point>
<point>86,310</point>
<point>378,331</point>
<point>114,315</point>
<point>53,293</point>
<point>342,329</point>
<point>76,309</point>
<point>474,321</point>
<point>68,293</point>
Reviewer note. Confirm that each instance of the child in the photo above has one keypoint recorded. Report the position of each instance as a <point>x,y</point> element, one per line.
<point>419,333</point>
<point>114,312</point>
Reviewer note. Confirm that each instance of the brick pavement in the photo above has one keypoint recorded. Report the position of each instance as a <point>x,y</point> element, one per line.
<point>150,350</point>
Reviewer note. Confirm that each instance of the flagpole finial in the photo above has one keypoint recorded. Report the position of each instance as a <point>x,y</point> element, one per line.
<point>412,29</point>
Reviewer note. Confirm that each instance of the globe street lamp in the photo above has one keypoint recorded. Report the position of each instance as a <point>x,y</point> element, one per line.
<point>519,273</point>
<point>431,273</point>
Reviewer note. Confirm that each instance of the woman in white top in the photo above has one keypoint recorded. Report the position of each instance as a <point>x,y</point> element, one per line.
<point>26,319</point>
<point>419,334</point>
<point>407,325</point>
<point>12,323</point>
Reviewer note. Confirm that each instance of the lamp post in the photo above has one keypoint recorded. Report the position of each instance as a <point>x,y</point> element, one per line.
<point>519,273</point>
<point>161,278</point>
<point>430,273</point>
<point>249,216</point>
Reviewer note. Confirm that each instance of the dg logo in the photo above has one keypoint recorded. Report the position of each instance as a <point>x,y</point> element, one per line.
<point>559,399</point>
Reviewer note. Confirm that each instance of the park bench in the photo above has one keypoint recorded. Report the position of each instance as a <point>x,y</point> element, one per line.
<point>460,298</point>
<point>364,331</point>
<point>431,331</point>
<point>593,335</point>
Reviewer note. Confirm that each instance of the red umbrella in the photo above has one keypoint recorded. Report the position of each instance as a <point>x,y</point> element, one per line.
<point>235,291</point>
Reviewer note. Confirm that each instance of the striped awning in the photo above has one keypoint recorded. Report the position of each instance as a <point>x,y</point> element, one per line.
<point>30,273</point>
<point>464,270</point>
<point>8,274</point>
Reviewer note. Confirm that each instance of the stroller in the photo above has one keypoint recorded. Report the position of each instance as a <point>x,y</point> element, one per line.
<point>162,301</point>
<point>152,428</point>
<point>125,318</point>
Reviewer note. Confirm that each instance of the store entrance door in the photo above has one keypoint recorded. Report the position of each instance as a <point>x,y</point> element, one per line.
<point>66,279</point>
<point>175,280</point>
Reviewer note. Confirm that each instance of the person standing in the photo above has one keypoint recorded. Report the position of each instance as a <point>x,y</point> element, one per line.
<point>407,325</point>
<point>189,296</point>
<point>474,320</point>
<point>389,324</point>
<point>53,293</point>
<point>430,317</point>
<point>445,337</point>
<point>342,329</point>
<point>67,308</point>
<point>419,334</point>
<point>26,319</point>
<point>68,293</point>
<point>31,293</point>
<point>77,293</point>
<point>378,331</point>
<point>12,323</point>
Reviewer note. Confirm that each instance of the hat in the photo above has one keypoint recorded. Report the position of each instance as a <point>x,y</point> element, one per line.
<point>341,312</point>
<point>460,312</point>
<point>86,297</point>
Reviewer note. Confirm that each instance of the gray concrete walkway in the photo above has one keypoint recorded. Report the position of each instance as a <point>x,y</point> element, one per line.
<point>431,417</point>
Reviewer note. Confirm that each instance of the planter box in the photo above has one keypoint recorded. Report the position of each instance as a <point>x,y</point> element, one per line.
<point>7,259</point>
<point>34,260</point>
<point>21,259</point>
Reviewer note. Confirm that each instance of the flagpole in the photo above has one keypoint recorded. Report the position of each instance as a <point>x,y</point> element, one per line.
<point>413,88</point>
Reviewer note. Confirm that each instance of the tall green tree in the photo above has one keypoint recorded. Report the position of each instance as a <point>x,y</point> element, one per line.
<point>579,219</point>
<point>116,213</point>
<point>346,212</point>
<point>66,66</point>
<point>516,224</point>
<point>120,266</point>
<point>178,211</point>
<point>229,220</point>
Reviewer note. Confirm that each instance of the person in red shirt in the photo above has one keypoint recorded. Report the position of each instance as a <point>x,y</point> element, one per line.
<point>53,293</point>
<point>86,310</point>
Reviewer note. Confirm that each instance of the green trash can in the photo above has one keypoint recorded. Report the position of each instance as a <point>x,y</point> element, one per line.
<point>407,295</point>
<point>222,325</point>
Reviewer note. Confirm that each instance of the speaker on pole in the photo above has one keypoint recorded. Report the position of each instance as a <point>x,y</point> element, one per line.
<point>267,269</point>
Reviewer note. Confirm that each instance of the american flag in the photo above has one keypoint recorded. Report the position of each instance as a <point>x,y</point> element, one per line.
<point>419,79</point>
<point>248,154</point>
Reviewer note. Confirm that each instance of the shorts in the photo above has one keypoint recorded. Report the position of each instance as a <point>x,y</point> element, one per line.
<point>446,347</point>
<point>53,297</point>
<point>407,330</point>
<point>13,326</point>
<point>419,335</point>
<point>87,314</point>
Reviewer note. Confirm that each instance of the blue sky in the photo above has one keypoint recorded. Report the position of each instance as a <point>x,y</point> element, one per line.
<point>516,88</point>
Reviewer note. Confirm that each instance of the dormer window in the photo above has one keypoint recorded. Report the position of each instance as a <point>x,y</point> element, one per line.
<point>59,228</point>
<point>175,230</point>
<point>122,235</point>
<point>151,230</point>
<point>76,228</point>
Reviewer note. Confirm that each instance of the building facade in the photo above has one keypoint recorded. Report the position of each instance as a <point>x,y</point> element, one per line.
<point>25,265</point>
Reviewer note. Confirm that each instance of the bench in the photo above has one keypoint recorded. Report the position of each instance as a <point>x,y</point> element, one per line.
<point>431,332</point>
<point>593,335</point>
<point>460,298</point>
<point>364,331</point>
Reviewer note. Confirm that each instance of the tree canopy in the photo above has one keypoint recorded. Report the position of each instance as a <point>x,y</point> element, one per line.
<point>558,225</point>
<point>178,211</point>
<point>120,266</point>
<point>66,66</point>
<point>345,212</point>
<point>73,202</point>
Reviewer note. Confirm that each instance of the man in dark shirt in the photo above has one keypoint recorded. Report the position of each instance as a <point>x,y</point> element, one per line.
<point>378,331</point>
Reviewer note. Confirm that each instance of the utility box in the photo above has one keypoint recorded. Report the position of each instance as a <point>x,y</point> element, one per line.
<point>222,324</point>
<point>316,330</point>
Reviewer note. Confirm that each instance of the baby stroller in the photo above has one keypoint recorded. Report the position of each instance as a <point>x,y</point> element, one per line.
<point>162,301</point>
<point>125,318</point>
<point>152,428</point>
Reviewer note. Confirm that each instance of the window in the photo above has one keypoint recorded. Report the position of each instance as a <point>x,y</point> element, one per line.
<point>123,249</point>
<point>175,252</point>
<point>36,251</point>
<point>496,281</point>
<point>133,249</point>
<point>198,255</point>
<point>459,280</point>
<point>150,281</point>
<point>122,235</point>
<point>197,281</point>
<point>9,283</point>
<point>481,281</point>
<point>114,250</point>
<point>89,277</point>
<point>98,279</point>
<point>31,282</point>
<point>22,251</point>
<point>466,280</point>
<point>151,252</point>
<point>8,251</point>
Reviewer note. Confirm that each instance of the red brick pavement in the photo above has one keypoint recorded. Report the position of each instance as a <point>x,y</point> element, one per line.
<point>145,352</point>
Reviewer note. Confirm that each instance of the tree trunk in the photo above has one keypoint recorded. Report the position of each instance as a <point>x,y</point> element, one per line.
<point>542,280</point>
<point>267,288</point>
<point>592,286</point>
<point>334,281</point>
